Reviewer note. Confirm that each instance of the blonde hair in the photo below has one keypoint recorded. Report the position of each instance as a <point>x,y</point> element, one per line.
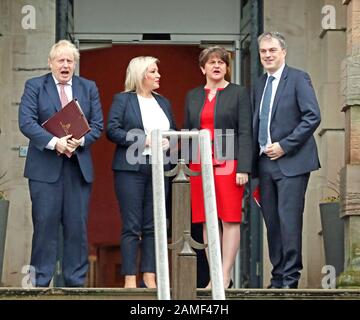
<point>64,44</point>
<point>136,71</point>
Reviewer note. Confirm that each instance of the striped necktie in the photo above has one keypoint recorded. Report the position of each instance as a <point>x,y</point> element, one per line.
<point>63,97</point>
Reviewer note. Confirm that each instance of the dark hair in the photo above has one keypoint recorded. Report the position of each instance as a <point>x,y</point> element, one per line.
<point>273,35</point>
<point>215,50</point>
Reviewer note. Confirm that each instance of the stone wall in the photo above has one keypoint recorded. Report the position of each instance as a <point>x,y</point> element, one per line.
<point>27,32</point>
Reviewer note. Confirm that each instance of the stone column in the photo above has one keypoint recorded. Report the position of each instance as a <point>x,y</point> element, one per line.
<point>27,31</point>
<point>350,174</point>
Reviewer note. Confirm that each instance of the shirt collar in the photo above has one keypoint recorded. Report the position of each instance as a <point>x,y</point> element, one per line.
<point>57,82</point>
<point>277,74</point>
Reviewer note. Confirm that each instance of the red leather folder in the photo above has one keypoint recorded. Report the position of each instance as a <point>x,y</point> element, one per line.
<point>69,120</point>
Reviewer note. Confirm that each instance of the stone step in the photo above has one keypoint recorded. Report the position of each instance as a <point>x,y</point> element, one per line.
<point>150,294</point>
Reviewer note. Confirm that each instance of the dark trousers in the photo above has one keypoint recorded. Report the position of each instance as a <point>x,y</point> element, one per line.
<point>134,193</point>
<point>282,205</point>
<point>64,202</point>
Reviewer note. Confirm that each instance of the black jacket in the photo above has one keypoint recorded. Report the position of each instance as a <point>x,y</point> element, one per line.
<point>233,129</point>
<point>125,128</point>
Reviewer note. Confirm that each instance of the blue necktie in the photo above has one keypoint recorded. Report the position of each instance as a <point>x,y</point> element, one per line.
<point>264,115</point>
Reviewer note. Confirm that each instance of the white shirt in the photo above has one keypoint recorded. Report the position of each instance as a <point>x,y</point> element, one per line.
<point>153,117</point>
<point>275,84</point>
<point>67,88</point>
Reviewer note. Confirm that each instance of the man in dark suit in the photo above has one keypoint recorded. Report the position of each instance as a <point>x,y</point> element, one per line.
<point>286,114</point>
<point>59,186</point>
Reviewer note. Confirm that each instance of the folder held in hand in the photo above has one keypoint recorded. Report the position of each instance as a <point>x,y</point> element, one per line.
<point>69,120</point>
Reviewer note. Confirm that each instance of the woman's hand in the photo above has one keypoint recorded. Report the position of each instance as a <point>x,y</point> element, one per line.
<point>165,144</point>
<point>148,140</point>
<point>242,178</point>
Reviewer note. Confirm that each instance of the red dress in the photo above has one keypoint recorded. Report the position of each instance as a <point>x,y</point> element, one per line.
<point>228,194</point>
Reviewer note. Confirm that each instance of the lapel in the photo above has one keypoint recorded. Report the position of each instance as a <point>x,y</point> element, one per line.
<point>258,95</point>
<point>134,102</point>
<point>200,105</point>
<point>50,88</point>
<point>76,89</point>
<point>280,90</point>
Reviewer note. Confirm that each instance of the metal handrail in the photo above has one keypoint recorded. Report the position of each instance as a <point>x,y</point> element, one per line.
<point>212,227</point>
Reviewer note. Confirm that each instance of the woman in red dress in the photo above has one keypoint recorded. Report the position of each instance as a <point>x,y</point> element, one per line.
<point>224,109</point>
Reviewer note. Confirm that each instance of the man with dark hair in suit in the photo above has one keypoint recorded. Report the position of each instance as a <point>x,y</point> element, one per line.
<point>59,186</point>
<point>286,114</point>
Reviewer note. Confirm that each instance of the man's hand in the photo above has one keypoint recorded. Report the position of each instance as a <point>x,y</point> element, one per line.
<point>61,144</point>
<point>72,144</point>
<point>274,151</point>
<point>242,178</point>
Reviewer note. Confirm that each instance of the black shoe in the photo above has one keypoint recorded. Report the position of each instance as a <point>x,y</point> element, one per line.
<point>271,286</point>
<point>231,283</point>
